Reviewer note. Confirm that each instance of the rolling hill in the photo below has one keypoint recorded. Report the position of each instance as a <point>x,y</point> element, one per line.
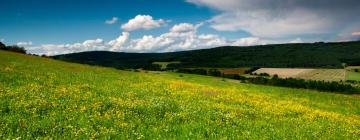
<point>309,55</point>
<point>42,98</point>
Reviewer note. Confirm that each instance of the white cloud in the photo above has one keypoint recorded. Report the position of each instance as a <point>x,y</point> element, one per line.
<point>261,24</point>
<point>297,40</point>
<point>113,20</point>
<point>183,27</point>
<point>56,49</point>
<point>248,41</point>
<point>180,37</point>
<point>278,19</point>
<point>2,40</point>
<point>24,43</point>
<point>142,22</point>
<point>184,37</point>
<point>117,43</point>
<point>92,43</point>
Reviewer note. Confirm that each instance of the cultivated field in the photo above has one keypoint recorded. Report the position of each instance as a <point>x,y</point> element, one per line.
<point>240,71</point>
<point>324,74</point>
<point>355,76</point>
<point>47,99</point>
<point>353,73</point>
<point>282,72</point>
<point>308,74</point>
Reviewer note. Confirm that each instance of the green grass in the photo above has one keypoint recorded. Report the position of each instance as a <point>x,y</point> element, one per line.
<point>43,98</point>
<point>353,73</point>
<point>353,76</point>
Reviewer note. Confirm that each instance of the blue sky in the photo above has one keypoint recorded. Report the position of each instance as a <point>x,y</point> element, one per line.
<point>65,26</point>
<point>67,21</point>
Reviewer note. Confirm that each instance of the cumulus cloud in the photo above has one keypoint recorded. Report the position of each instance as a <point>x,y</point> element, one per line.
<point>113,20</point>
<point>92,43</point>
<point>24,43</point>
<point>180,37</point>
<point>56,49</point>
<point>119,42</point>
<point>145,22</point>
<point>184,36</point>
<point>248,41</point>
<point>279,18</point>
<point>183,27</point>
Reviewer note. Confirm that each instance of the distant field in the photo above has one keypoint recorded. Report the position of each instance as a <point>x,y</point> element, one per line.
<point>282,72</point>
<point>164,64</point>
<point>46,99</point>
<point>240,71</point>
<point>308,74</point>
<point>355,76</point>
<point>324,74</point>
<point>353,67</point>
<point>353,73</point>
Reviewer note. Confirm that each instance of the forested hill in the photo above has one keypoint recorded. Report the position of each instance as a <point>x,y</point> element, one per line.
<point>327,55</point>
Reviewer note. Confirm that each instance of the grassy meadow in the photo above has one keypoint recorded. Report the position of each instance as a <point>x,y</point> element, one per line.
<point>44,98</point>
<point>353,73</point>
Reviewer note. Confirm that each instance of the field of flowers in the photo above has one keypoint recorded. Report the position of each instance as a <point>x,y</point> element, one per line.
<point>43,98</point>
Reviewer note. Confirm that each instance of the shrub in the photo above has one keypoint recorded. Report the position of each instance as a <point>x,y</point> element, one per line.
<point>193,71</point>
<point>199,71</point>
<point>153,67</point>
<point>214,72</point>
<point>249,71</point>
<point>264,75</point>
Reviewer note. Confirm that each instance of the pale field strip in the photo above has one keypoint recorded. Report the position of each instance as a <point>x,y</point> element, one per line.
<point>324,74</point>
<point>282,72</point>
<point>352,67</point>
<point>308,74</point>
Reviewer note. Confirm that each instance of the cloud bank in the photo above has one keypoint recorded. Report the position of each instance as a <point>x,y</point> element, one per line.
<point>183,36</point>
<point>282,18</point>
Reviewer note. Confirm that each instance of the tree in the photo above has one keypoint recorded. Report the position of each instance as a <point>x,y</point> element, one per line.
<point>13,48</point>
<point>344,65</point>
<point>214,72</point>
<point>2,46</point>
<point>153,67</point>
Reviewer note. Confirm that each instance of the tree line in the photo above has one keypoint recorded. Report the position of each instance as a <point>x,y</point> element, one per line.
<point>308,55</point>
<point>12,48</point>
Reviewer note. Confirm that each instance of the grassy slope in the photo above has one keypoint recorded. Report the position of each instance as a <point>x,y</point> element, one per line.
<point>46,98</point>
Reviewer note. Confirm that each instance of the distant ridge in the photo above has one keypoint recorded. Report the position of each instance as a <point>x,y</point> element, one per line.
<point>326,55</point>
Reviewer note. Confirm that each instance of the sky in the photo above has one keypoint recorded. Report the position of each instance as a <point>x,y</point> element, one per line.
<point>53,27</point>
